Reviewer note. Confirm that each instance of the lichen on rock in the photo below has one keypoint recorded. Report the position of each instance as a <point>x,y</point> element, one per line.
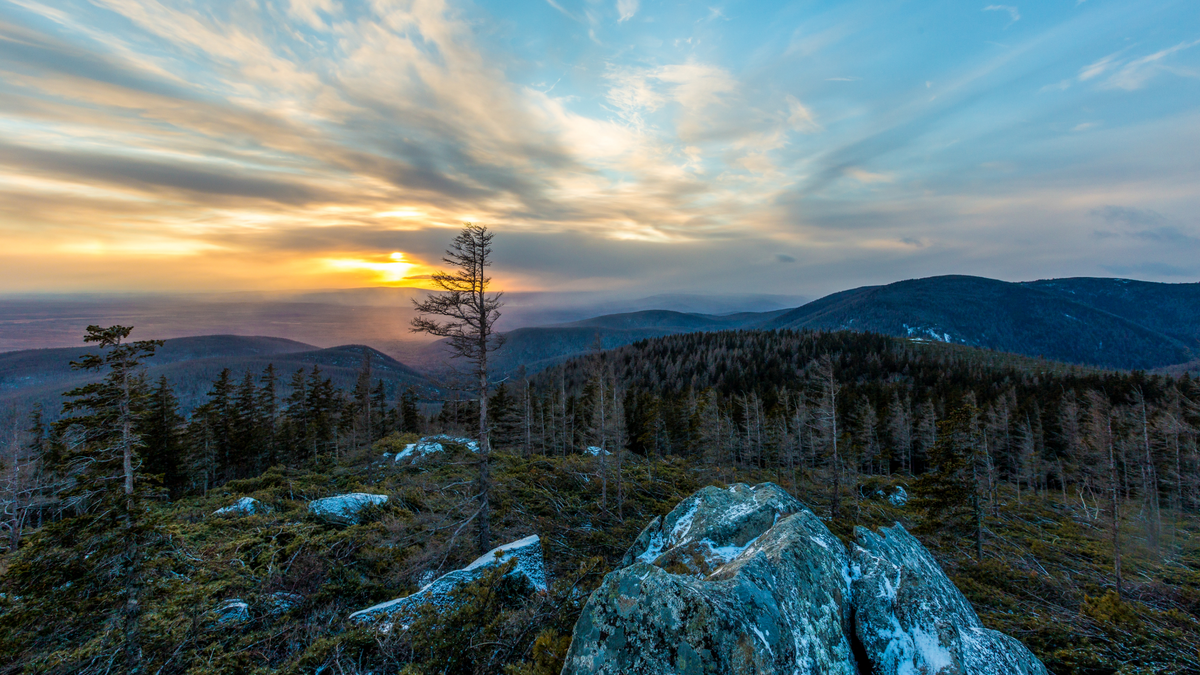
<point>344,509</point>
<point>789,599</point>
<point>528,565</point>
<point>910,618</point>
<point>778,605</point>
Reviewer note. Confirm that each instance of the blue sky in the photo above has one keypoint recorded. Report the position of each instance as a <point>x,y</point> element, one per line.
<point>792,147</point>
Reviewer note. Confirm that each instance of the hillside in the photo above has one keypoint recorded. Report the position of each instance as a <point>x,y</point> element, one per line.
<point>1089,326</point>
<point>536,348</point>
<point>191,364</point>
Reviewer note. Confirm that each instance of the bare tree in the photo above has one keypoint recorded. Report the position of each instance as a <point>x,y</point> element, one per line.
<point>826,418</point>
<point>1101,439</point>
<point>469,315</point>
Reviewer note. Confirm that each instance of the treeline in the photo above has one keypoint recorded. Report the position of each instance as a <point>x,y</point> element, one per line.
<point>245,425</point>
<point>839,408</point>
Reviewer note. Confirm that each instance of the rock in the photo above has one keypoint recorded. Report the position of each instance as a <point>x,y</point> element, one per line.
<point>281,602</point>
<point>789,599</point>
<point>711,527</point>
<point>910,618</point>
<point>529,566</point>
<point>246,506</point>
<point>234,610</point>
<point>344,509</point>
<point>779,605</point>
<point>899,496</point>
<point>595,451</point>
<point>431,445</point>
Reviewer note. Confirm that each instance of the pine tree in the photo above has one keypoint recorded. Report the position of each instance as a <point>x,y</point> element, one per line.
<point>161,428</point>
<point>410,415</point>
<point>951,493</point>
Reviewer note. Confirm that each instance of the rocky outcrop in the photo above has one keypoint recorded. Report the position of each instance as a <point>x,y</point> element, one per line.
<point>910,618</point>
<point>778,604</point>
<point>748,580</point>
<point>344,509</point>
<point>529,566</point>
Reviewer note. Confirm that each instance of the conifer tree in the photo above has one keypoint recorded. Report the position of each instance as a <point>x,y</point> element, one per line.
<point>161,428</point>
<point>950,494</point>
<point>103,422</point>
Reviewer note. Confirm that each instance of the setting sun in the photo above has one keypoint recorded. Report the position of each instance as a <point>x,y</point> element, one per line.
<point>394,269</point>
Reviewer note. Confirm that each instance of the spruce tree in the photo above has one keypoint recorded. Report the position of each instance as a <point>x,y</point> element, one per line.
<point>104,461</point>
<point>950,494</point>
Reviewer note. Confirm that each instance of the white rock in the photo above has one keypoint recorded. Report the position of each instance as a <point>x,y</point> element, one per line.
<point>899,497</point>
<point>344,509</point>
<point>529,565</point>
<point>246,506</point>
<point>430,445</point>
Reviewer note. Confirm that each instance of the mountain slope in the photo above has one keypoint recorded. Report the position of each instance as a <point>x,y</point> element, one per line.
<point>1020,318</point>
<point>538,347</point>
<point>191,364</point>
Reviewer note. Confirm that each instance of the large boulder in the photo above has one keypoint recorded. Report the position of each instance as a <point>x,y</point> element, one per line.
<point>711,527</point>
<point>748,580</point>
<point>529,566</point>
<point>779,604</point>
<point>910,618</point>
<point>344,509</point>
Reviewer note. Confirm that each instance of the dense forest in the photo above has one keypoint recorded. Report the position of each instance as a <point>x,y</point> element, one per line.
<point>1034,482</point>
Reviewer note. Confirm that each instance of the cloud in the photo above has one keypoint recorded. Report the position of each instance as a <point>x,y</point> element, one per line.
<point>1013,14</point>
<point>1128,216</point>
<point>626,9</point>
<point>1134,74</point>
<point>1143,224</point>
<point>1152,269</point>
<point>784,258</point>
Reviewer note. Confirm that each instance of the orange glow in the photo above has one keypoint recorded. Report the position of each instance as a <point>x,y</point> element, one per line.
<point>393,270</point>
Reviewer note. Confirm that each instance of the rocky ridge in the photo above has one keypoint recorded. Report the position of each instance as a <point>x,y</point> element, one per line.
<point>748,580</point>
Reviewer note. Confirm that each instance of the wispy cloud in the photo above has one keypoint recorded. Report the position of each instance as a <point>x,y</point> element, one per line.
<point>626,9</point>
<point>1013,14</point>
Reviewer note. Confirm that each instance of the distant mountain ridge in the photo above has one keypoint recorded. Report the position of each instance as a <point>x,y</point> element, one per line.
<point>192,363</point>
<point>1105,322</point>
<point>1113,323</point>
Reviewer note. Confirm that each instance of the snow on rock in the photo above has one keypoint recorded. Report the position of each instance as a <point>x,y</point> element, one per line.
<point>789,599</point>
<point>711,527</point>
<point>779,605</point>
<point>899,497</point>
<point>595,451</point>
<point>234,610</point>
<point>910,618</point>
<point>344,509</point>
<point>246,506</point>
<point>529,566</point>
<point>430,445</point>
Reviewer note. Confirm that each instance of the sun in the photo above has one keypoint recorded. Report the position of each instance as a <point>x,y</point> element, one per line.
<point>393,268</point>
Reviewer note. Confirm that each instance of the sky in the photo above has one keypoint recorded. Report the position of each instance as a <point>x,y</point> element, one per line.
<point>612,145</point>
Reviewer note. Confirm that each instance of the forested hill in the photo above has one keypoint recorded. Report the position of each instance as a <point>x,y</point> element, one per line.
<point>1113,323</point>
<point>191,364</point>
<point>1107,322</point>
